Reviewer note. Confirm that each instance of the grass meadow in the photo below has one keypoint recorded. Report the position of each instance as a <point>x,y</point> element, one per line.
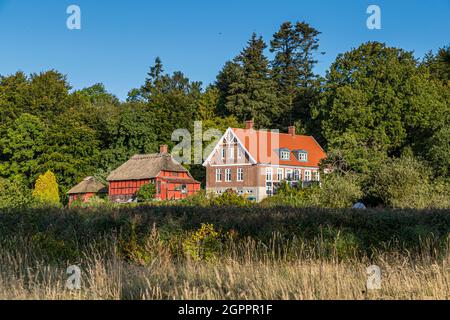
<point>224,253</point>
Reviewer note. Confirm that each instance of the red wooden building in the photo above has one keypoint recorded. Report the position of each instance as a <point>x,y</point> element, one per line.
<point>172,180</point>
<point>86,189</point>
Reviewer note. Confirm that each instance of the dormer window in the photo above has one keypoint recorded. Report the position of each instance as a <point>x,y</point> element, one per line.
<point>285,154</point>
<point>302,155</point>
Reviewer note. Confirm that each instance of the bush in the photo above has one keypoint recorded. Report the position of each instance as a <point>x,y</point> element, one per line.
<point>200,199</point>
<point>335,191</point>
<point>203,244</point>
<point>14,194</point>
<point>338,191</point>
<point>230,198</point>
<point>146,193</point>
<point>46,190</point>
<point>400,183</point>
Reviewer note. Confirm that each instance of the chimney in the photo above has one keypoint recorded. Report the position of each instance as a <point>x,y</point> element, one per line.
<point>164,149</point>
<point>249,124</point>
<point>292,130</point>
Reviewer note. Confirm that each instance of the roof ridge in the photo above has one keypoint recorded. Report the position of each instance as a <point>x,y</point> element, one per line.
<point>150,155</point>
<point>283,133</point>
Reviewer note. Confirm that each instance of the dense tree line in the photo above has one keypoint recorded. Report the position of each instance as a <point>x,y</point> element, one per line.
<point>376,103</point>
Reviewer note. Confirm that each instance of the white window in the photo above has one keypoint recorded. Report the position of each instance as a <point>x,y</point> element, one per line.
<point>269,174</point>
<point>239,153</point>
<point>231,153</point>
<point>218,175</point>
<point>280,174</point>
<point>228,175</point>
<point>296,175</point>
<point>307,175</point>
<point>317,176</point>
<point>303,156</point>
<point>240,174</point>
<point>223,153</point>
<point>289,174</point>
<point>285,155</point>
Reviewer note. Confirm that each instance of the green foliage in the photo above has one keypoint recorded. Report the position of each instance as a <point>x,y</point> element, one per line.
<point>339,191</point>
<point>292,69</point>
<point>251,93</point>
<point>203,244</point>
<point>14,194</point>
<point>46,190</point>
<point>230,199</point>
<point>200,199</point>
<point>334,191</point>
<point>376,102</point>
<point>65,233</point>
<point>54,250</point>
<point>21,146</point>
<point>400,183</point>
<point>439,64</point>
<point>146,193</point>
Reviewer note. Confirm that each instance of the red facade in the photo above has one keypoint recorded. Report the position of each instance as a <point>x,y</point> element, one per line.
<point>169,186</point>
<point>83,197</point>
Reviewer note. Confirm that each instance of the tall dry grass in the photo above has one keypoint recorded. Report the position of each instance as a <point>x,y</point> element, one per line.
<point>247,271</point>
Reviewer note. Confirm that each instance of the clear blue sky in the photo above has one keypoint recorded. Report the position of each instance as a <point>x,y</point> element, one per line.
<point>120,39</point>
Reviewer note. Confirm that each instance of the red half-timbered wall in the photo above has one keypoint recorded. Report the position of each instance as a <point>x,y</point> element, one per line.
<point>169,186</point>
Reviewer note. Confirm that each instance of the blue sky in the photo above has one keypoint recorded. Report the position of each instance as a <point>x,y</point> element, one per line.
<point>120,39</point>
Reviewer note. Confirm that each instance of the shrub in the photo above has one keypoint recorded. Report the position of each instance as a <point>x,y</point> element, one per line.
<point>230,198</point>
<point>46,190</point>
<point>203,244</point>
<point>338,191</point>
<point>399,183</point>
<point>440,194</point>
<point>146,193</point>
<point>14,194</point>
<point>200,199</point>
<point>291,196</point>
<point>335,191</point>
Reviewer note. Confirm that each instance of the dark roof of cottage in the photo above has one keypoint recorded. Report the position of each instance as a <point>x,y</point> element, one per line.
<point>141,167</point>
<point>88,185</point>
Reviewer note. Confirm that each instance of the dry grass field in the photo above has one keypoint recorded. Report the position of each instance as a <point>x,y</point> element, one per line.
<point>248,276</point>
<point>224,253</point>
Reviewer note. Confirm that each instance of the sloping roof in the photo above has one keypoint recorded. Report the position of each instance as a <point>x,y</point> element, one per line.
<point>180,180</point>
<point>88,185</point>
<point>263,146</point>
<point>141,167</point>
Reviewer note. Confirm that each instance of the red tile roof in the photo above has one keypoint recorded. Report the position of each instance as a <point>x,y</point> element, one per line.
<point>263,146</point>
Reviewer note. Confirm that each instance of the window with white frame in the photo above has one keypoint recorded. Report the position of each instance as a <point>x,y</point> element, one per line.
<point>280,174</point>
<point>285,154</point>
<point>218,175</point>
<point>303,156</point>
<point>223,153</point>
<point>269,174</point>
<point>296,175</point>
<point>240,174</point>
<point>228,175</point>
<point>289,175</point>
<point>307,175</point>
<point>316,176</point>
<point>231,153</point>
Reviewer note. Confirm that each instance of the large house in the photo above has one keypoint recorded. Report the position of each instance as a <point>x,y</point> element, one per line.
<point>172,180</point>
<point>255,162</point>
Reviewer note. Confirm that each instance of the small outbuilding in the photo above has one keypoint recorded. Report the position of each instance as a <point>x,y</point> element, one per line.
<point>86,189</point>
<point>171,179</point>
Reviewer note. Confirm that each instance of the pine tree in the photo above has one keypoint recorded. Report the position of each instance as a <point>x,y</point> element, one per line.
<point>46,190</point>
<point>252,94</point>
<point>292,70</point>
